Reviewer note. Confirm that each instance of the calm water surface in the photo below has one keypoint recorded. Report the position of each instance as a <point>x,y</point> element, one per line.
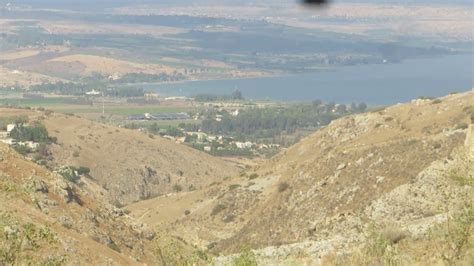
<point>374,84</point>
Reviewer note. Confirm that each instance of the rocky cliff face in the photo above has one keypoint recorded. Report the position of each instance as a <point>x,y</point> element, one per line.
<point>47,219</point>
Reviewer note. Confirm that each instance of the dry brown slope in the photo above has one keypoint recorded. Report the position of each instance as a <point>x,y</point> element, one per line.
<point>323,184</point>
<point>334,174</point>
<point>131,165</point>
<point>45,219</point>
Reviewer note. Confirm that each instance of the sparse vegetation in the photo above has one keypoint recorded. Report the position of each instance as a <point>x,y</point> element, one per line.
<point>459,234</point>
<point>177,188</point>
<point>462,173</point>
<point>253,176</point>
<point>22,149</point>
<point>233,186</point>
<point>283,186</point>
<point>245,258</point>
<point>462,126</point>
<point>217,209</point>
<point>112,245</point>
<point>4,121</point>
<point>36,132</point>
<point>18,241</point>
<point>83,170</point>
<point>381,246</point>
<point>170,251</point>
<point>69,173</point>
<point>7,186</point>
<point>229,218</point>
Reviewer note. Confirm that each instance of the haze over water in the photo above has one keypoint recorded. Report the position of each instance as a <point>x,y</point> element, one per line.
<point>374,84</point>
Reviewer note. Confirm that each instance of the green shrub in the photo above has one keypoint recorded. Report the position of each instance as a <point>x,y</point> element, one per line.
<point>234,186</point>
<point>36,132</point>
<point>22,149</point>
<point>177,188</point>
<point>253,176</point>
<point>462,126</point>
<point>69,173</point>
<point>437,145</point>
<point>112,245</point>
<point>380,248</point>
<point>17,242</point>
<point>245,258</point>
<point>217,209</point>
<point>229,218</point>
<point>283,186</point>
<point>458,234</point>
<point>83,170</point>
<point>4,121</point>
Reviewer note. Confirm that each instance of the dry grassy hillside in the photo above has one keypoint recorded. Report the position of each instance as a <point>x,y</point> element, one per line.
<point>89,64</point>
<point>129,164</point>
<point>327,190</point>
<point>337,172</point>
<point>46,220</point>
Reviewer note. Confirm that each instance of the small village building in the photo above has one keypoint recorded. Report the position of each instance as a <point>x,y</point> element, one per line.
<point>151,95</point>
<point>10,127</point>
<point>201,136</point>
<point>93,93</point>
<point>8,141</point>
<point>30,144</point>
<point>235,112</point>
<point>243,145</point>
<point>177,98</point>
<point>180,139</point>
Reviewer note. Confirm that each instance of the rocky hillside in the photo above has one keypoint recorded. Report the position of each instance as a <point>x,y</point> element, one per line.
<point>390,168</point>
<point>129,164</point>
<point>47,220</point>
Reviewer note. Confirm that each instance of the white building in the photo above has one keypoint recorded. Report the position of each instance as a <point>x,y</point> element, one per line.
<point>176,98</point>
<point>244,145</point>
<point>93,93</point>
<point>219,118</point>
<point>10,127</point>
<point>8,141</point>
<point>235,113</point>
<point>29,144</point>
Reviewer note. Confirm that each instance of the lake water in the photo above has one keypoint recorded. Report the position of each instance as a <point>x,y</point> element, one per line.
<point>373,84</point>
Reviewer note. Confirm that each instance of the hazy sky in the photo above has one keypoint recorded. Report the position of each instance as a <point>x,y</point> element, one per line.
<point>178,2</point>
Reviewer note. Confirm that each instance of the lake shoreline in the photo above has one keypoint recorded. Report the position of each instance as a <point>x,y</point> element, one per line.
<point>433,76</point>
